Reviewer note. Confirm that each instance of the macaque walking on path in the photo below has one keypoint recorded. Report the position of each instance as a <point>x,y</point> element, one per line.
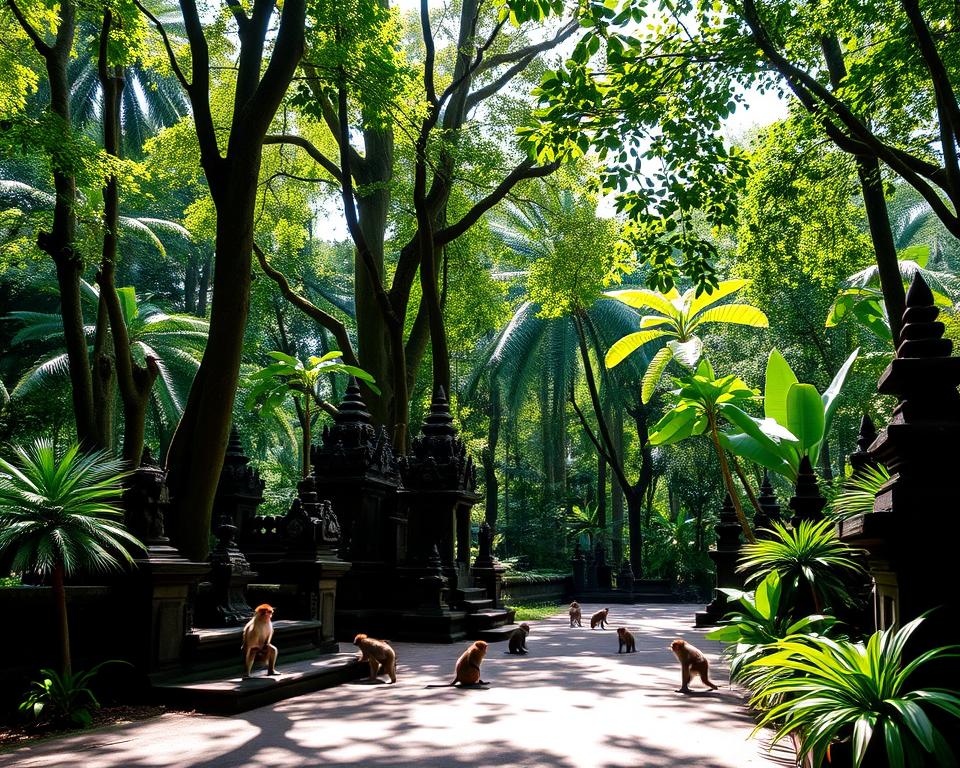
<point>256,641</point>
<point>691,660</point>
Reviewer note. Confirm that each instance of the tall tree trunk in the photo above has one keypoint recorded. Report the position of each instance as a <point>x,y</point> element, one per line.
<point>203,286</point>
<point>489,459</point>
<point>197,450</point>
<point>134,381</point>
<point>305,464</point>
<point>60,242</point>
<point>616,492</point>
<point>103,376</point>
<point>602,494</point>
<point>60,605</point>
<point>194,462</point>
<point>191,278</point>
<point>875,205</point>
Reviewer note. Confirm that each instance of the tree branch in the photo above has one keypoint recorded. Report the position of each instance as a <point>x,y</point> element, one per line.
<point>199,90</point>
<point>911,169</point>
<point>174,64</point>
<point>309,147</point>
<point>310,309</point>
<point>43,48</point>
<point>526,170</point>
<point>239,16</point>
<point>496,85</point>
<point>530,51</point>
<point>431,53</point>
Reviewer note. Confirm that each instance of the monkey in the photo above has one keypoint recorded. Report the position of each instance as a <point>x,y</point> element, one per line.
<point>257,635</point>
<point>600,617</point>
<point>379,655</point>
<point>691,660</point>
<point>518,639</point>
<point>625,638</point>
<point>468,667</point>
<point>575,614</point>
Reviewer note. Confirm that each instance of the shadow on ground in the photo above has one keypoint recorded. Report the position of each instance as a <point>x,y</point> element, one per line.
<point>573,701</point>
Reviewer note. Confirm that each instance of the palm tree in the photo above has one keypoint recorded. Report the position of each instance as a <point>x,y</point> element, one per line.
<point>546,356</point>
<point>174,342</point>
<point>58,517</point>
<point>676,318</point>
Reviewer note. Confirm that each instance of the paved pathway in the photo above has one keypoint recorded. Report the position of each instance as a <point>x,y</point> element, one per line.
<point>571,702</point>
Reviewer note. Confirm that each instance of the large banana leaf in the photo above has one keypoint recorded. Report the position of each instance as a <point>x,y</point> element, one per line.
<point>735,314</point>
<point>704,300</point>
<point>632,341</point>
<point>779,378</point>
<point>784,459</point>
<point>654,372</point>
<point>687,352</point>
<point>678,424</point>
<point>641,298</point>
<point>805,416</point>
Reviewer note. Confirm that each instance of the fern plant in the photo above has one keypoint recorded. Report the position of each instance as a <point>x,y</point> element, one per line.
<point>858,492</point>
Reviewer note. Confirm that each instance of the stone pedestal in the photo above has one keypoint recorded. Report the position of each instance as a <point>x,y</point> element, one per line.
<point>724,557</point>
<point>625,577</point>
<point>487,571</point>
<point>579,570</point>
<point>223,603</point>
<point>911,535</point>
<point>158,610</point>
<point>604,571</point>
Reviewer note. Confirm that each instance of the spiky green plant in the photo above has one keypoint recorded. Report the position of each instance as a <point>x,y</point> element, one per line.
<point>58,516</point>
<point>809,559</point>
<point>842,689</point>
<point>858,492</point>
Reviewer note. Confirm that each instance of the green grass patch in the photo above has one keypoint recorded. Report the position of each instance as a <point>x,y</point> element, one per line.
<point>536,611</point>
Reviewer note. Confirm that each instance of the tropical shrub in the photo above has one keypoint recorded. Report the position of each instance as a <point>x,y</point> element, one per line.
<point>757,622</point>
<point>58,516</point>
<point>63,699</point>
<point>859,691</point>
<point>810,560</point>
<point>858,492</point>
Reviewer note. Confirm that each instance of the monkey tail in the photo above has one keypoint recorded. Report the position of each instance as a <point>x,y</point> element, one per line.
<point>444,685</point>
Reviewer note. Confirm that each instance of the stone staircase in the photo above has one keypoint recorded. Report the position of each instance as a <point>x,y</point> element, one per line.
<point>210,680</point>
<point>483,621</point>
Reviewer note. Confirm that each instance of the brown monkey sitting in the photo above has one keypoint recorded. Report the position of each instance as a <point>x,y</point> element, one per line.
<point>691,660</point>
<point>468,667</point>
<point>518,639</point>
<point>575,614</point>
<point>379,655</point>
<point>600,617</point>
<point>625,638</point>
<point>257,635</point>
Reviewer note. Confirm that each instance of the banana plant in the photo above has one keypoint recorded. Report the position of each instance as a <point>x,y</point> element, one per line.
<point>290,376</point>
<point>796,420</point>
<point>677,318</point>
<point>701,402</point>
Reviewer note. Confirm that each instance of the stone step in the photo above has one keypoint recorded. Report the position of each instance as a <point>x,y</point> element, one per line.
<point>224,692</point>
<point>495,634</point>
<point>216,646</point>
<point>473,606</point>
<point>472,593</point>
<point>486,619</point>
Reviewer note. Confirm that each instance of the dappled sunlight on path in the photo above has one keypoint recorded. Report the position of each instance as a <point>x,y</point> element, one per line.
<point>571,702</point>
